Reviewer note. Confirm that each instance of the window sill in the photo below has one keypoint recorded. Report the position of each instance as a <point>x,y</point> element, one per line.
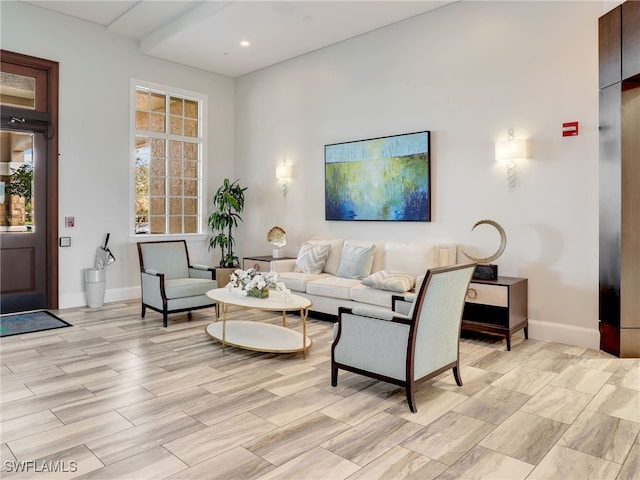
<point>189,237</point>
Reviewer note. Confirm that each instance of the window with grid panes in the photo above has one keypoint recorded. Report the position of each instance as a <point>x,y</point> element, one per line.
<point>168,156</point>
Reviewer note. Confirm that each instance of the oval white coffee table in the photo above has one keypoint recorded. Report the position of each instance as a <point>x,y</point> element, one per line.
<point>260,337</point>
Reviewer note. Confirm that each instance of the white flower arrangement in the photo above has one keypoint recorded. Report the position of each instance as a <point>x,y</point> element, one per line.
<point>251,279</point>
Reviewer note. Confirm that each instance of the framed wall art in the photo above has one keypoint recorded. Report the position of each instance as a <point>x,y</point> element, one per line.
<point>385,178</point>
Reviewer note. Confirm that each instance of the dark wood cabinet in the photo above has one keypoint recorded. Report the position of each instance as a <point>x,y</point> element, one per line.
<point>630,19</point>
<point>619,44</point>
<point>498,307</point>
<point>609,50</point>
<point>619,262</point>
<point>610,208</point>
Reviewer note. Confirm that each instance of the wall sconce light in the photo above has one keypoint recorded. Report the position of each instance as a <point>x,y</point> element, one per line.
<point>511,150</point>
<point>284,173</point>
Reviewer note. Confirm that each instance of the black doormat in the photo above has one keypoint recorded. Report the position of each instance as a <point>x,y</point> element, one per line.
<point>28,322</point>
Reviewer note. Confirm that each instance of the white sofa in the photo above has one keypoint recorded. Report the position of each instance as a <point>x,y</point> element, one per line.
<point>328,291</point>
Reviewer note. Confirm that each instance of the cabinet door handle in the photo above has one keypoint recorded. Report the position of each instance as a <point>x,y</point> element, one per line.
<point>472,293</point>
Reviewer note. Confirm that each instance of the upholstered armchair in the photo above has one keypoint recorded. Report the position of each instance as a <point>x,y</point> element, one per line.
<point>406,349</point>
<point>170,284</point>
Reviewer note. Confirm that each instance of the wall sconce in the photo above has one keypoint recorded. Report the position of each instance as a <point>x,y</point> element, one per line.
<point>511,150</point>
<point>284,173</point>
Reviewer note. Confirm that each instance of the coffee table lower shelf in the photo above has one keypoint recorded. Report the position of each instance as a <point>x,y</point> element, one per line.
<point>258,337</point>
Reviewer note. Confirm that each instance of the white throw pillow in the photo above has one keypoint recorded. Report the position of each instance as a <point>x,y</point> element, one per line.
<point>390,280</point>
<point>311,258</point>
<point>333,260</point>
<point>356,261</point>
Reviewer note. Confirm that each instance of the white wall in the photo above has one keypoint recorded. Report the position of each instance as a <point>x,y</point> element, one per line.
<point>468,72</point>
<point>95,72</point>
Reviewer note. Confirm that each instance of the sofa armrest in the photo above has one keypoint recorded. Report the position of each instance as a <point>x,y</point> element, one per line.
<point>402,303</point>
<point>371,344</point>
<point>373,313</point>
<point>286,265</point>
<point>377,313</point>
<point>200,267</point>
<point>152,285</point>
<point>201,271</point>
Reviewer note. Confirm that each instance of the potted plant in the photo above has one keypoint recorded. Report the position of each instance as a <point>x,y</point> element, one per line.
<point>229,203</point>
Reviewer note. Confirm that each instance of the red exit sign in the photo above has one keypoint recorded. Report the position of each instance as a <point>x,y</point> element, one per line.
<point>569,129</point>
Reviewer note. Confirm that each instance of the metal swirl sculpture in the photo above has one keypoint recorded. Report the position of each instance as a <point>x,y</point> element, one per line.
<point>503,242</point>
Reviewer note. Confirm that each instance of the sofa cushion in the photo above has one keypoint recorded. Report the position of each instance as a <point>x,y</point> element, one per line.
<point>188,287</point>
<point>334,287</point>
<point>372,296</point>
<point>356,261</point>
<point>410,257</point>
<point>390,280</point>
<point>311,258</point>
<point>333,260</point>
<point>297,282</point>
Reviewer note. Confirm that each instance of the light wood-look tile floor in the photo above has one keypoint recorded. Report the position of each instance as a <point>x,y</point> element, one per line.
<point>118,397</point>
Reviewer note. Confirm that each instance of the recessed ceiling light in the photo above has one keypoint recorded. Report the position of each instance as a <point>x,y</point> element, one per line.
<point>244,43</point>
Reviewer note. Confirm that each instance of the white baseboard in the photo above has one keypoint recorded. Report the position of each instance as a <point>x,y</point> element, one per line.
<point>79,299</point>
<point>538,329</point>
<point>561,333</point>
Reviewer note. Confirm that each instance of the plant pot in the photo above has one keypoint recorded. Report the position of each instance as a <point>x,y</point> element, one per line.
<point>258,292</point>
<point>223,275</point>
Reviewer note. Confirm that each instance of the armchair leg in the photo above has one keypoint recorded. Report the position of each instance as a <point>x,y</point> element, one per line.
<point>334,374</point>
<point>164,319</point>
<point>456,375</point>
<point>144,310</point>
<point>411,400</point>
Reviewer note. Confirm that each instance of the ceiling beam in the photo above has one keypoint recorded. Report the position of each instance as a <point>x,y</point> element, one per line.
<point>196,14</point>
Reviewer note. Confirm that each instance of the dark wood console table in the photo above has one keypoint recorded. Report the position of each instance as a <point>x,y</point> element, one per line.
<point>497,307</point>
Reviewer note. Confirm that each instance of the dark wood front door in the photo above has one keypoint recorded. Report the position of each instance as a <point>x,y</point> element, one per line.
<point>28,183</point>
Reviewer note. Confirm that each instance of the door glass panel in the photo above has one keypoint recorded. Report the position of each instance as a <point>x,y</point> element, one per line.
<point>17,91</point>
<point>16,182</point>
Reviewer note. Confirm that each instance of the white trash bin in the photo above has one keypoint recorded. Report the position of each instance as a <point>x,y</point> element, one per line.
<point>94,282</point>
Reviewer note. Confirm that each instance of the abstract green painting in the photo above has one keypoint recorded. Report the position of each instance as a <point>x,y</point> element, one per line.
<point>386,178</point>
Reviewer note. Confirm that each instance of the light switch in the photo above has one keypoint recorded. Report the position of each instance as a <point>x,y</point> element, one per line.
<point>65,241</point>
